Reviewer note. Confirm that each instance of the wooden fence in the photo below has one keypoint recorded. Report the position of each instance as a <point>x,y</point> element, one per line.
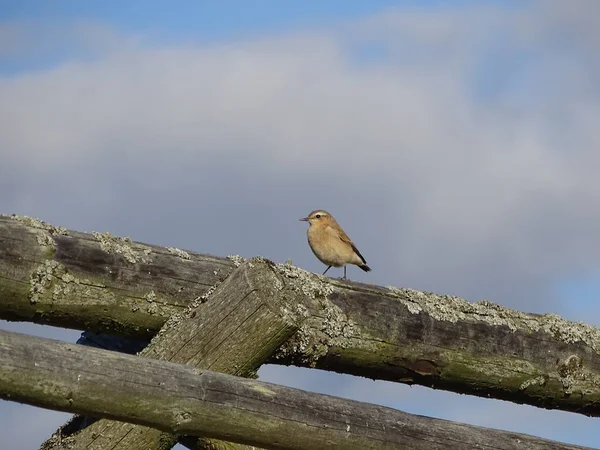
<point>181,336</point>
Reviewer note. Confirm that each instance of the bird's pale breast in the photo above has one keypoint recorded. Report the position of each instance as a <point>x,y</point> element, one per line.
<point>329,248</point>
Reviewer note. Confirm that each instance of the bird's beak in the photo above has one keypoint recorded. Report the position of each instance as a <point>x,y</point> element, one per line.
<point>304,219</point>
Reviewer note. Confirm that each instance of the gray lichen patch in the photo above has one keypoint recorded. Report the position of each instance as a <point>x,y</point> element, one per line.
<point>322,330</point>
<point>315,287</point>
<point>535,381</point>
<point>51,274</point>
<point>311,285</point>
<point>66,286</point>
<point>176,319</point>
<point>132,253</point>
<point>201,299</point>
<point>567,331</point>
<point>178,252</point>
<point>155,304</point>
<point>452,309</point>
<point>182,417</point>
<point>59,441</point>
<point>40,225</point>
<point>336,325</point>
<point>571,373</point>
<point>237,260</point>
<point>43,230</point>
<point>172,322</point>
<point>297,313</point>
<point>324,326</point>
<point>41,279</point>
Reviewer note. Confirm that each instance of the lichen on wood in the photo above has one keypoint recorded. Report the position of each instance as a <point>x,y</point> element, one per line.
<point>132,252</point>
<point>181,253</point>
<point>102,283</point>
<point>44,231</point>
<point>452,309</point>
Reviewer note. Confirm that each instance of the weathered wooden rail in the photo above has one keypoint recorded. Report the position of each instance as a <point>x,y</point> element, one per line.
<point>186,401</point>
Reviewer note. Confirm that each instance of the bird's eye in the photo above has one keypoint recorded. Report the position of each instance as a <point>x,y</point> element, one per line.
<point>318,216</point>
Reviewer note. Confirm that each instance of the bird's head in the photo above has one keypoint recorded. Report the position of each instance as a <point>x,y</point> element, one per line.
<point>318,217</point>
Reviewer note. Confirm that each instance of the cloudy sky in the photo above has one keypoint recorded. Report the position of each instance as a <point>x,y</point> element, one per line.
<point>455,141</point>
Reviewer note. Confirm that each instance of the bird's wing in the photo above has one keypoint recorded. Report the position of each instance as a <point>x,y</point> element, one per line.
<point>344,238</point>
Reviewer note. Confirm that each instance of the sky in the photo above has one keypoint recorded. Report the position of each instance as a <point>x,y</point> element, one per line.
<point>456,142</point>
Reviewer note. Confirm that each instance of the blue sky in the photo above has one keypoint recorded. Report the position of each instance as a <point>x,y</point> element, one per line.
<point>584,291</point>
<point>205,21</point>
<point>208,20</point>
<point>456,142</point>
<point>214,19</point>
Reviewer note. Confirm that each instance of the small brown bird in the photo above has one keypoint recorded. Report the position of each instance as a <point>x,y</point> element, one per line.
<point>330,244</point>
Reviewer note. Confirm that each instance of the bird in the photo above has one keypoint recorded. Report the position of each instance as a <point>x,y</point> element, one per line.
<point>330,244</point>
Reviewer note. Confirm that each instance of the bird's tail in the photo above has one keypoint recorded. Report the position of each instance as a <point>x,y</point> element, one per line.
<point>365,268</point>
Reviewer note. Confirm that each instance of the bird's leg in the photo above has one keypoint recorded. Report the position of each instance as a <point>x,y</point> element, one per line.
<point>344,274</point>
<point>326,270</point>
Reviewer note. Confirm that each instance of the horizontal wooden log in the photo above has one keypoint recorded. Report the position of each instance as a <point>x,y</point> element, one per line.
<point>96,281</point>
<point>408,336</point>
<point>67,433</point>
<point>183,400</point>
<point>245,320</point>
<point>445,342</point>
